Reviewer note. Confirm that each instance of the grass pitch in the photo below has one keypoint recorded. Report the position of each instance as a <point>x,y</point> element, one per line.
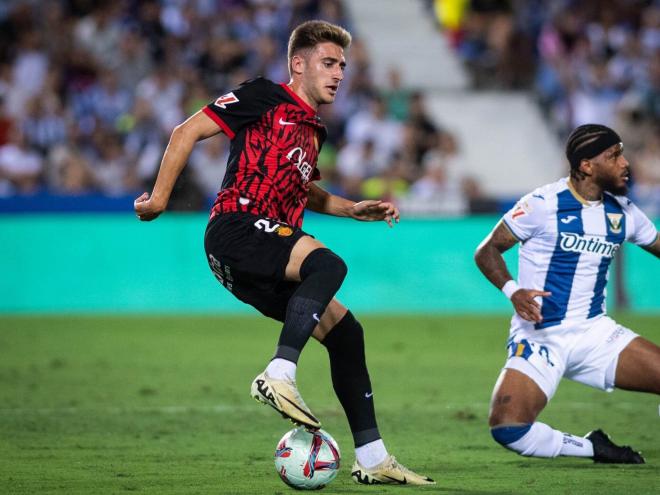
<point>95,405</point>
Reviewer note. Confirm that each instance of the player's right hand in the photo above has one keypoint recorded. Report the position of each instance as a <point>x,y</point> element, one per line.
<point>526,306</point>
<point>146,209</point>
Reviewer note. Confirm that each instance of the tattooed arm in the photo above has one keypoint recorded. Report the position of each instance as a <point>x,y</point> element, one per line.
<point>491,263</point>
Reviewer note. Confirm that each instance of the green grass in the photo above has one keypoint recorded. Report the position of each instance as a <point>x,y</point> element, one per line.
<point>96,405</point>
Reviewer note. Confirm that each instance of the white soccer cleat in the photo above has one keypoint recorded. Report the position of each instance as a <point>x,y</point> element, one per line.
<point>388,472</point>
<point>283,396</point>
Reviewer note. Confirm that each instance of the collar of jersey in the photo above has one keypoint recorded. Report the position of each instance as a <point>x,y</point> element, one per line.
<point>579,197</point>
<point>299,100</point>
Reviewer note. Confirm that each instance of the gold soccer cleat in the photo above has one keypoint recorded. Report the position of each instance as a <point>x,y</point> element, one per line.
<point>283,396</point>
<point>388,472</point>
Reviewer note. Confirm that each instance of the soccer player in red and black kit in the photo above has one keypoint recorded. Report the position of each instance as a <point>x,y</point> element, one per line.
<point>255,245</point>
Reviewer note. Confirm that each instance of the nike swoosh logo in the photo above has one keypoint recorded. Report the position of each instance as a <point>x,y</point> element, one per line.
<point>568,219</point>
<point>284,122</point>
<point>316,317</point>
<point>403,482</point>
<point>299,409</point>
<point>369,394</point>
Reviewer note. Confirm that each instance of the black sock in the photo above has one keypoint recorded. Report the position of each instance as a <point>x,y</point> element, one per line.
<point>321,273</point>
<point>350,378</point>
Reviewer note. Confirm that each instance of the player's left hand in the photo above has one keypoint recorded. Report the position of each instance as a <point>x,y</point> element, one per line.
<point>374,210</point>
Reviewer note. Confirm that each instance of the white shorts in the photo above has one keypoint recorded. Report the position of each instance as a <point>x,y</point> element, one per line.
<point>587,353</point>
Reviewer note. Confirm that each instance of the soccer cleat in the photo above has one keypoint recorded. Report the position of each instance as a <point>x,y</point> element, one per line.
<point>283,396</point>
<point>607,452</point>
<point>388,472</point>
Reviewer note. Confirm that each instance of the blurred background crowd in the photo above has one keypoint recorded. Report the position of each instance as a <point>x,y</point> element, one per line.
<point>90,91</point>
<point>585,61</point>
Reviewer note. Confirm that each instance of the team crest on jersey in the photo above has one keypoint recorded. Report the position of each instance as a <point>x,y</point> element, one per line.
<point>615,222</point>
<point>225,100</point>
<point>284,231</point>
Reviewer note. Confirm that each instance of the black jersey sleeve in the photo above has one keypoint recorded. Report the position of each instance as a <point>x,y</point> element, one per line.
<point>243,105</point>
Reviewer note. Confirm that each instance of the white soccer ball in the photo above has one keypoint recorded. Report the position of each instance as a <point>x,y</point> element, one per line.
<point>307,460</point>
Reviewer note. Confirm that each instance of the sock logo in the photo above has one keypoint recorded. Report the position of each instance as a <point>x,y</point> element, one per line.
<point>316,317</point>
<point>368,395</point>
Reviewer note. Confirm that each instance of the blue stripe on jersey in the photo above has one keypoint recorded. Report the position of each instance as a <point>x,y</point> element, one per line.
<point>616,234</point>
<point>561,271</point>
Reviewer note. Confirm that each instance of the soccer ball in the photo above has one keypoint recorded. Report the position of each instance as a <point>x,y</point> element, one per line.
<point>307,460</point>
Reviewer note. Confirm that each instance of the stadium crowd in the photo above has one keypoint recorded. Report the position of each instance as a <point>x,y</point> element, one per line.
<point>90,92</point>
<point>587,61</point>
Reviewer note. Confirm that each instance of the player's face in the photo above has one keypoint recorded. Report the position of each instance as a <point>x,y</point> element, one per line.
<point>611,171</point>
<point>323,71</point>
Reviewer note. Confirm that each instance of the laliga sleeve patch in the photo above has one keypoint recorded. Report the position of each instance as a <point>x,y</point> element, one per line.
<point>520,210</point>
<point>225,100</point>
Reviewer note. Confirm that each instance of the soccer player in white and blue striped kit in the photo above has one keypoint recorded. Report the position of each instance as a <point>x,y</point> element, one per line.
<point>569,232</point>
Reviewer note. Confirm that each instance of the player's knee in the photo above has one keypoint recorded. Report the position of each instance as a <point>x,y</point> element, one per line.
<point>324,261</point>
<point>509,435</point>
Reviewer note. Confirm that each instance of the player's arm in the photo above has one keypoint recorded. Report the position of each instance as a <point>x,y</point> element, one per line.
<point>654,248</point>
<point>368,211</point>
<point>183,138</point>
<point>490,261</point>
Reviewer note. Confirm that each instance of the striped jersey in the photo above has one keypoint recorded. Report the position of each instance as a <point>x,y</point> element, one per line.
<point>275,142</point>
<point>567,246</point>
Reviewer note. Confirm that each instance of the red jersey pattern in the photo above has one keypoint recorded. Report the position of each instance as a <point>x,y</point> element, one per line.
<point>276,138</point>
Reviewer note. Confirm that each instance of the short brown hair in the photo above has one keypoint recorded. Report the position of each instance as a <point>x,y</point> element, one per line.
<point>311,33</point>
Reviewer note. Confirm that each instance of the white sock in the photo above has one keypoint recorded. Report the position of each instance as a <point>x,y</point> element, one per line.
<point>539,441</point>
<point>543,441</point>
<point>371,454</point>
<point>281,369</point>
<point>576,446</point>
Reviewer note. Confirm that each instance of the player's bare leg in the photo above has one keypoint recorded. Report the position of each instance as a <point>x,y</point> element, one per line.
<point>516,403</point>
<point>320,273</point>
<point>638,367</point>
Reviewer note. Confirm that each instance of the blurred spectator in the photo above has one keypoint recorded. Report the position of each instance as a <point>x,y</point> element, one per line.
<point>396,95</point>
<point>112,173</point>
<point>163,91</point>
<point>69,172</point>
<point>425,132</point>
<point>375,125</point>
<point>357,162</point>
<point>110,102</point>
<point>208,163</point>
<point>437,189</point>
<point>20,167</point>
<point>646,172</point>
<point>44,125</point>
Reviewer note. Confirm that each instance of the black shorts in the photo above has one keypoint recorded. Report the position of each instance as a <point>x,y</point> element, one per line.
<point>248,254</point>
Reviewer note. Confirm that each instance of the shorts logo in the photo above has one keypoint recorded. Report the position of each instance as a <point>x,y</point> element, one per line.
<point>615,335</point>
<point>267,226</point>
<point>225,100</point>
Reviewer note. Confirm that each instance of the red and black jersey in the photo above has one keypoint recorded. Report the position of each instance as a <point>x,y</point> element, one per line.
<point>275,142</point>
